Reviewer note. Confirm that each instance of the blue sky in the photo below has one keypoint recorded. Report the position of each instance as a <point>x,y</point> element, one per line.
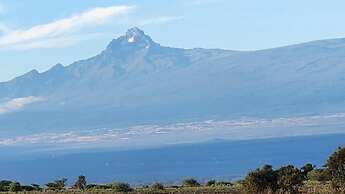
<point>37,34</point>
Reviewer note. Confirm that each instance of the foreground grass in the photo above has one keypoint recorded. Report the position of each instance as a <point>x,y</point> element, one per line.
<point>180,190</point>
<point>315,187</point>
<point>309,187</point>
<point>191,190</point>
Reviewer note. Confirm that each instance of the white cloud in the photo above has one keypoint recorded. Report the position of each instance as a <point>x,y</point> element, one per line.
<point>56,42</point>
<point>17,104</point>
<point>61,28</point>
<point>159,20</point>
<point>237,129</point>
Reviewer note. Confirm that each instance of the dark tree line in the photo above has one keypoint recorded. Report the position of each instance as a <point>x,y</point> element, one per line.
<point>6,186</point>
<point>288,179</point>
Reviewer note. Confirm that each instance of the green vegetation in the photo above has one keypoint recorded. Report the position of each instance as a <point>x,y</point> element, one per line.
<point>336,170</point>
<point>261,180</point>
<point>15,187</point>
<point>190,183</point>
<point>288,179</point>
<point>121,187</point>
<point>57,185</point>
<point>157,186</point>
<point>80,184</point>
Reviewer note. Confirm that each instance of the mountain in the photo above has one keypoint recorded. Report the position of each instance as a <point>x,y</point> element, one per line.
<point>136,80</point>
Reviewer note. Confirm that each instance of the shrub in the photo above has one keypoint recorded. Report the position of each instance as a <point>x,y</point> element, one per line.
<point>122,187</point>
<point>157,186</point>
<point>336,169</point>
<point>57,185</point>
<point>224,183</point>
<point>261,180</point>
<point>211,183</point>
<point>95,186</point>
<point>289,179</point>
<point>27,188</point>
<point>91,186</point>
<point>145,186</point>
<point>190,183</point>
<point>5,185</point>
<point>36,187</point>
<point>306,169</point>
<point>15,187</point>
<point>318,175</point>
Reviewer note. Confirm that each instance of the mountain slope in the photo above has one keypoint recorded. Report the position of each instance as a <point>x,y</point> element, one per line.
<point>137,80</point>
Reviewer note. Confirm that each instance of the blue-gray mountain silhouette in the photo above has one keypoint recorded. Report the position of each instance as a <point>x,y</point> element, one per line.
<point>137,80</point>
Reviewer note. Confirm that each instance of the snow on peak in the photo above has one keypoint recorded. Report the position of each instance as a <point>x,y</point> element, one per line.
<point>137,35</point>
<point>134,38</point>
<point>130,39</point>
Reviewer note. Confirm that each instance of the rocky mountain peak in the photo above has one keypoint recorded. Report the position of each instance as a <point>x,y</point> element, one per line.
<point>134,39</point>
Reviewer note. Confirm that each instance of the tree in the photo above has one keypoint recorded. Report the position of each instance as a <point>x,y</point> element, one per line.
<point>336,169</point>
<point>15,187</point>
<point>289,179</point>
<point>261,180</point>
<point>190,183</point>
<point>80,183</point>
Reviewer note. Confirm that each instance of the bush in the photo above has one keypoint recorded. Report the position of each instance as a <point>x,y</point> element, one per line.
<point>57,185</point>
<point>190,183</point>
<point>211,183</point>
<point>36,187</point>
<point>318,175</point>
<point>27,188</point>
<point>289,179</point>
<point>15,187</point>
<point>95,186</point>
<point>122,187</point>
<point>261,180</point>
<point>336,169</point>
<point>157,186</point>
<point>306,169</point>
<point>5,185</point>
<point>224,184</point>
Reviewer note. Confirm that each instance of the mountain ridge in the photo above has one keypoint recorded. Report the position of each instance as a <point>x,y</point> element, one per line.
<point>135,78</point>
<point>337,42</point>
